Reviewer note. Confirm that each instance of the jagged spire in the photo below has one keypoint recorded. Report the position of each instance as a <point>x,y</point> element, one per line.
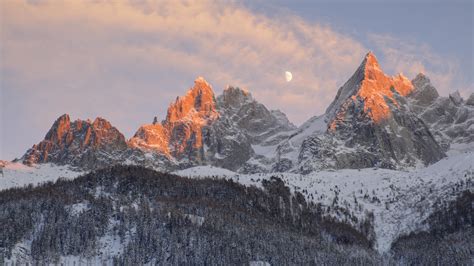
<point>66,140</point>
<point>189,113</point>
<point>370,85</point>
<point>370,60</point>
<point>235,96</point>
<point>199,98</point>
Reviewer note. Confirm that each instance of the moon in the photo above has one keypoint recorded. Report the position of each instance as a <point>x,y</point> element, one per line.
<point>288,76</point>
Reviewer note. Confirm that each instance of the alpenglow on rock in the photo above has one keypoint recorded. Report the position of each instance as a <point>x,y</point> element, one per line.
<point>181,132</point>
<point>374,121</point>
<point>450,118</point>
<point>200,130</point>
<point>88,144</point>
<point>368,124</point>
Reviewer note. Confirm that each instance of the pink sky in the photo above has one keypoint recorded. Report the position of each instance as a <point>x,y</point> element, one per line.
<point>126,62</point>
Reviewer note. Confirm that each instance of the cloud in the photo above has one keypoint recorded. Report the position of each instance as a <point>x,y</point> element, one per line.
<point>126,61</point>
<point>411,57</point>
<point>61,56</point>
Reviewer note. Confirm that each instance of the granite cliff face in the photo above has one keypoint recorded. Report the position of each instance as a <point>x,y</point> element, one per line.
<point>79,143</point>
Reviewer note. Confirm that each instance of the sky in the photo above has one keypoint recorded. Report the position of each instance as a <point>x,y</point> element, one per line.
<point>126,61</point>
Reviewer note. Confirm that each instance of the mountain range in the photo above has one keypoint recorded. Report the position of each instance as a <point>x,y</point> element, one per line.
<point>374,121</point>
<point>384,177</point>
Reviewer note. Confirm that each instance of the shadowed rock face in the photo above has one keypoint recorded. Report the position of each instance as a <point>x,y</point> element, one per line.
<point>450,119</point>
<point>78,143</point>
<point>252,117</point>
<point>424,93</point>
<point>470,100</point>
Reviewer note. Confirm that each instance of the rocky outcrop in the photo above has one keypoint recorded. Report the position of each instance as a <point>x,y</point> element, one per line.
<point>200,129</point>
<point>470,100</point>
<point>450,118</point>
<point>252,117</point>
<point>456,98</point>
<point>193,133</point>
<point>369,124</point>
<point>181,132</point>
<point>79,143</point>
<point>424,93</point>
<point>374,121</point>
<point>370,92</point>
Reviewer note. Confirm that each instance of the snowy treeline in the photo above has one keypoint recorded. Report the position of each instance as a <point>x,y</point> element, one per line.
<point>130,215</point>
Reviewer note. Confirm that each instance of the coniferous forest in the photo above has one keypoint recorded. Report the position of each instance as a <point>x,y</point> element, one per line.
<point>157,218</point>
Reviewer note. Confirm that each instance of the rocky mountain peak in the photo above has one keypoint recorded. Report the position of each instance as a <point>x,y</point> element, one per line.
<point>198,103</point>
<point>152,137</point>
<point>59,128</point>
<point>201,129</point>
<point>370,90</point>
<point>421,78</point>
<point>424,92</point>
<point>235,97</point>
<point>456,98</point>
<point>183,125</point>
<point>470,100</point>
<point>101,123</point>
<point>370,123</point>
<point>71,142</point>
<point>370,63</point>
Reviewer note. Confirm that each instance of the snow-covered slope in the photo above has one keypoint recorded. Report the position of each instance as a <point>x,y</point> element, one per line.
<point>19,175</point>
<point>400,201</point>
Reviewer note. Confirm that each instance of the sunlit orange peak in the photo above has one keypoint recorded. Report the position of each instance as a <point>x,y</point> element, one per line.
<point>374,89</point>
<point>198,103</point>
<point>183,124</point>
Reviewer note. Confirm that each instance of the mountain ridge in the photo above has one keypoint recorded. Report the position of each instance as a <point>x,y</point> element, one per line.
<point>374,121</point>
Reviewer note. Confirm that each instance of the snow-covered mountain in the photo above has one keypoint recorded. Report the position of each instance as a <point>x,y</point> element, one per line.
<point>389,165</point>
<point>86,144</point>
<point>374,121</point>
<point>400,201</point>
<point>199,129</point>
<point>370,123</point>
<point>112,213</point>
<point>451,119</point>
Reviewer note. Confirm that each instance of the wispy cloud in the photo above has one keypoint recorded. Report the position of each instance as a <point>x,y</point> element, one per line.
<point>64,41</point>
<point>412,57</point>
<point>127,60</point>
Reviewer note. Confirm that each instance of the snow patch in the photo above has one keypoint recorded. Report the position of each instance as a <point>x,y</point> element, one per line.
<point>78,208</point>
<point>19,175</point>
<point>195,219</point>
